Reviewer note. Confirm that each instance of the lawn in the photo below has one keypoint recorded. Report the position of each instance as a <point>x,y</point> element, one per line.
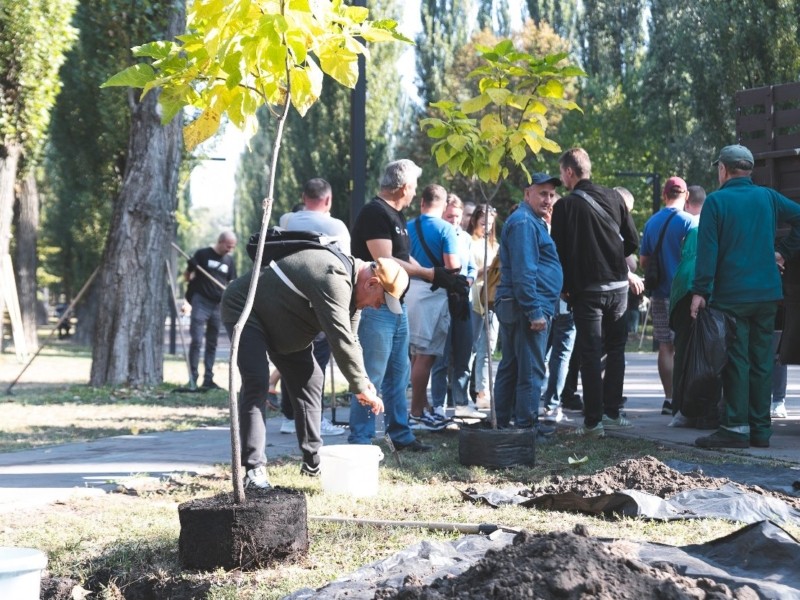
<point>118,541</point>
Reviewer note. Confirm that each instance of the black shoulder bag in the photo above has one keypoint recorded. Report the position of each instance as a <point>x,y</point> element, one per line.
<point>457,303</point>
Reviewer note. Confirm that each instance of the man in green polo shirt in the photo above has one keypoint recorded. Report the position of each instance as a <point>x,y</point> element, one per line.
<point>738,272</point>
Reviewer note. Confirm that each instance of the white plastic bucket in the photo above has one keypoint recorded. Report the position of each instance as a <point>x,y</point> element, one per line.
<point>21,572</point>
<point>350,469</point>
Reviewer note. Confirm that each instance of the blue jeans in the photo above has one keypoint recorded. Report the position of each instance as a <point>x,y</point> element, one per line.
<point>520,375</point>
<point>384,339</point>
<point>481,364</point>
<point>205,316</point>
<point>562,343</point>
<point>601,326</point>
<point>453,365</point>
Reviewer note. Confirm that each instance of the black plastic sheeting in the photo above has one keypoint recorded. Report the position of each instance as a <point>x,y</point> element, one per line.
<point>727,502</point>
<point>761,555</point>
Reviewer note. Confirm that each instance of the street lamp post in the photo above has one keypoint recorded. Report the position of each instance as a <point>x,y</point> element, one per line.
<point>652,178</point>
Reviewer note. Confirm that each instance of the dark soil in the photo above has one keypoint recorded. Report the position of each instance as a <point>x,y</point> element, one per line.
<point>565,566</point>
<point>645,474</point>
<point>573,566</point>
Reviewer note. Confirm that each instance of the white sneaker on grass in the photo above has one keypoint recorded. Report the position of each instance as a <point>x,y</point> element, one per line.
<point>288,426</point>
<point>598,431</point>
<point>257,478</point>
<point>469,411</point>
<point>329,429</point>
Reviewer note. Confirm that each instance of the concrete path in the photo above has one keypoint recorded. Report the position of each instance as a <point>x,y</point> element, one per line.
<point>38,477</point>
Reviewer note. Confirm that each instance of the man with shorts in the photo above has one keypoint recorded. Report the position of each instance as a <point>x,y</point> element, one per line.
<point>670,225</point>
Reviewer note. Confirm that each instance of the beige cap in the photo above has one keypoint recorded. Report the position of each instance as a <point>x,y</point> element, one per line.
<point>394,280</point>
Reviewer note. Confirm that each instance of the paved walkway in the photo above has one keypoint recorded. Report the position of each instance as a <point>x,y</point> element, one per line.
<point>38,477</point>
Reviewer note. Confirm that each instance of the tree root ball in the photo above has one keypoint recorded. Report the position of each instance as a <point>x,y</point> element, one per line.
<point>270,526</point>
<point>496,448</point>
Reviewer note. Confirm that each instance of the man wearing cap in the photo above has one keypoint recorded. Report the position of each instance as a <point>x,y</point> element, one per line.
<point>297,297</point>
<point>738,271</point>
<point>594,232</point>
<point>663,235</point>
<point>530,284</point>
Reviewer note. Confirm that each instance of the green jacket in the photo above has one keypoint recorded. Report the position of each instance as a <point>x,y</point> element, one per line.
<point>736,243</point>
<point>290,322</point>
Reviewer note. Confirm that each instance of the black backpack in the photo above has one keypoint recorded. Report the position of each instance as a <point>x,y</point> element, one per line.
<point>279,243</point>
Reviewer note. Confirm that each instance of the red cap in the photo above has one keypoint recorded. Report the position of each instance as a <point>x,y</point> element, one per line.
<point>674,185</point>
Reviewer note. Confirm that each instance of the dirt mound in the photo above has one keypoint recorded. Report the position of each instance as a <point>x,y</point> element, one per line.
<point>565,566</point>
<point>647,474</point>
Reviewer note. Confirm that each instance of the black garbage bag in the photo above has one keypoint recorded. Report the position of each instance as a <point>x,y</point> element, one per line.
<point>706,356</point>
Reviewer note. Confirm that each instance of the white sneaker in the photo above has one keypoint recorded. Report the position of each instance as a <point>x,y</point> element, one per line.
<point>288,426</point>
<point>553,415</point>
<point>619,423</point>
<point>468,411</point>
<point>681,420</point>
<point>328,428</point>
<point>257,478</point>
<point>779,410</point>
<point>440,414</point>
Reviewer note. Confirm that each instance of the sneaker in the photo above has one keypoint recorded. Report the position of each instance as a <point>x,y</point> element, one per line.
<point>597,431</point>
<point>468,411</point>
<point>415,446</point>
<point>572,402</point>
<point>426,421</point>
<point>544,430</point>
<point>619,423</point>
<point>440,414</point>
<point>759,443</point>
<point>482,401</point>
<point>210,385</point>
<point>778,410</point>
<point>681,420</point>
<point>553,415</point>
<point>718,439</point>
<point>309,471</point>
<point>288,426</point>
<point>257,478</point>
<point>666,408</point>
<point>328,428</point>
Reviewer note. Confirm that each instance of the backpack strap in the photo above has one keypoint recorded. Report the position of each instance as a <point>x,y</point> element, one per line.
<point>657,249</point>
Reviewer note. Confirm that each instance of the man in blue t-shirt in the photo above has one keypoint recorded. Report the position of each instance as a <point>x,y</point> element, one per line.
<point>433,243</point>
<point>675,223</point>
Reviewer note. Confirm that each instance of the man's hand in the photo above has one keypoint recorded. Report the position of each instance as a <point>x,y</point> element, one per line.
<point>635,283</point>
<point>449,279</point>
<point>698,302</point>
<point>781,262</point>
<point>371,400</point>
<point>539,325</point>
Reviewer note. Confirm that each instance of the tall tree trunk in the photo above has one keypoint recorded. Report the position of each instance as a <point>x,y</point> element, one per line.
<point>25,255</point>
<point>10,155</point>
<point>129,332</point>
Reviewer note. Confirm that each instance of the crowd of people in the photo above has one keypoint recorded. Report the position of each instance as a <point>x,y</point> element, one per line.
<point>414,313</point>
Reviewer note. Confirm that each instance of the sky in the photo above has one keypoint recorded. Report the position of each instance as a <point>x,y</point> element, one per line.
<point>212,183</point>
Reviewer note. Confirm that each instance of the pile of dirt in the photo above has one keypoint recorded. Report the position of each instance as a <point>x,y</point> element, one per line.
<point>646,474</point>
<point>565,566</point>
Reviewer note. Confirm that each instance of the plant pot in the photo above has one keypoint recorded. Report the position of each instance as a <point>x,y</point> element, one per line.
<point>270,526</point>
<point>496,448</point>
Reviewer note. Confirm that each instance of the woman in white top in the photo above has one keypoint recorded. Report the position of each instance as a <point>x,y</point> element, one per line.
<point>481,228</point>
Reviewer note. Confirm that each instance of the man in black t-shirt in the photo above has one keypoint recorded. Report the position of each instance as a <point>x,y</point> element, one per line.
<point>380,231</point>
<point>208,273</point>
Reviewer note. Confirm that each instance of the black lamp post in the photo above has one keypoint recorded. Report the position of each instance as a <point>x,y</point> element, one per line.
<point>652,178</point>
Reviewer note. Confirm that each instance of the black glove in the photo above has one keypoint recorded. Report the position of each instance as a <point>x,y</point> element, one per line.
<point>450,280</point>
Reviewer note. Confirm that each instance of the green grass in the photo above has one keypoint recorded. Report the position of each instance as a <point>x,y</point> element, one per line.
<point>109,542</point>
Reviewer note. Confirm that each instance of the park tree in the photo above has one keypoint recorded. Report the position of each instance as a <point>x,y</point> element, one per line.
<point>129,331</point>
<point>33,39</point>
<point>238,57</point>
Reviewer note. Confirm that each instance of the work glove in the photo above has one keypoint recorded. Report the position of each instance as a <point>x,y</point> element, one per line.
<point>450,280</point>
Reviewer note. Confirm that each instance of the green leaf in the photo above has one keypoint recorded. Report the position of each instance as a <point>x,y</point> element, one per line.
<point>498,95</point>
<point>475,104</point>
<point>457,141</point>
<point>155,50</point>
<point>339,63</point>
<point>136,76</point>
<point>552,89</point>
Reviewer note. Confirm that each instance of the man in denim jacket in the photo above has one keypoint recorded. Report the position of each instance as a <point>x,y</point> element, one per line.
<point>530,283</point>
